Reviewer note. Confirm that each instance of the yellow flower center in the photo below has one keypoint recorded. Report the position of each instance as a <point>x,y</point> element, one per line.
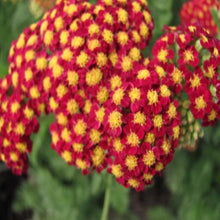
<point>61,90</point>
<point>29,55</point>
<point>22,147</point>
<point>195,82</point>
<point>139,118</point>
<point>32,40</point>
<point>182,37</point>
<point>176,132</point>
<point>14,107</point>
<point>159,166</point>
<point>143,74</point>
<point>102,95</point>
<point>93,44</point>
<point>98,156</point>
<point>200,103</point>
<point>80,127</point>
<point>107,36</point>
<point>131,162</point>
<point>133,183</point>
<point>95,136</point>
<point>100,114</point>
<point>82,59</point>
<point>147,17</point>
<point>210,72</point>
<point>148,177</point>
<point>165,92</point>
<point>101,59</point>
<point>136,7</point>
<point>122,16</point>
<point>46,83</point>
<point>150,138</point>
<point>53,103</point>
<point>126,64</point>
<point>72,78</point>
<point>172,111</point>
<point>118,146</point>
<point>77,42</point>
<point>177,76</point>
<point>93,29</point>
<point>135,94</point>
<point>87,106</point>
<point>34,92</point>
<point>65,135</point>
<point>135,54</point>
<point>67,55</point>
<point>64,37</point>
<point>115,82</point>
<point>136,37</point>
<point>118,96</point>
<point>41,63</point>
<point>58,24</point>
<point>160,71</point>
<point>149,158</point>
<point>93,77</point>
<point>162,55</point>
<point>188,56</point>
<point>122,38</point>
<point>114,119</point>
<point>144,30</point>
<point>116,170</point>
<point>108,18</point>
<point>158,121</point>
<point>113,58</point>
<point>14,156</point>
<point>20,129</point>
<point>81,164</point>
<point>152,97</point>
<point>67,156</point>
<point>166,146</point>
<point>62,119</point>
<point>28,113</point>
<point>72,106</point>
<point>78,147</point>
<point>212,115</point>
<point>48,37</point>
<point>133,139</point>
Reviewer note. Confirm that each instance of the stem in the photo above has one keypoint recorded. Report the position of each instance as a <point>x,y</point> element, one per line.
<point>107,198</point>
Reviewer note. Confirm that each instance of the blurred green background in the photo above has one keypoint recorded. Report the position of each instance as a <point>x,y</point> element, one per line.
<point>188,190</point>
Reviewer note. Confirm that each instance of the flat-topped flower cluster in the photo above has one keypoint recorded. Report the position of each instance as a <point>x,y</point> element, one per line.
<point>113,108</point>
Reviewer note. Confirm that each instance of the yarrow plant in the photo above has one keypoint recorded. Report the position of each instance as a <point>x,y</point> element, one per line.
<point>113,108</point>
<point>199,12</point>
<point>38,7</point>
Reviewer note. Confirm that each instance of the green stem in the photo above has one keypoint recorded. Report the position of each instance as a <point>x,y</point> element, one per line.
<point>107,198</point>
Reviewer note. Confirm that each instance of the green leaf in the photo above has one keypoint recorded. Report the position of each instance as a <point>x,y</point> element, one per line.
<point>96,183</point>
<point>159,213</point>
<point>215,17</point>
<point>177,171</point>
<point>201,176</point>
<point>119,197</point>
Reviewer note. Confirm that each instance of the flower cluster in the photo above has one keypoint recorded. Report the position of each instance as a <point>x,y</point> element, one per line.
<point>78,63</point>
<point>17,123</point>
<point>191,129</point>
<point>143,138</point>
<point>113,108</point>
<point>45,4</point>
<point>199,12</point>
<point>191,57</point>
<point>38,7</point>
